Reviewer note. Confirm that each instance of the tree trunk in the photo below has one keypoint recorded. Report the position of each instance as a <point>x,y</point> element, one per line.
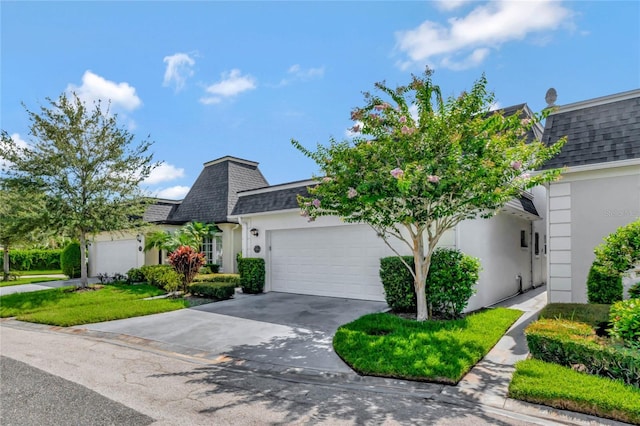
<point>420,278</point>
<point>84,282</point>
<point>6,268</point>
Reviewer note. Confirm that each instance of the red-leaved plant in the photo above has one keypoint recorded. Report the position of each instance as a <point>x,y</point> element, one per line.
<point>186,261</point>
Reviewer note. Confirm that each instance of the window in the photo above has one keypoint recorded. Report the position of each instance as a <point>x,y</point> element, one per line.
<point>536,244</point>
<point>212,249</point>
<point>523,239</point>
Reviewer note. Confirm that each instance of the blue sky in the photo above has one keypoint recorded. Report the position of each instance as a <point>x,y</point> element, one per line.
<point>208,79</point>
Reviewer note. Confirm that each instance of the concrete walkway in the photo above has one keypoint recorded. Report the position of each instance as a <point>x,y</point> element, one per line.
<point>25,288</point>
<point>232,336</point>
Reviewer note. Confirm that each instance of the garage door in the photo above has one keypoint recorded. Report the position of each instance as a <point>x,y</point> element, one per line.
<point>341,261</point>
<point>114,256</point>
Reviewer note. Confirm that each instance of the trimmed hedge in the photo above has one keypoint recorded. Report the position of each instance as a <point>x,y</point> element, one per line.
<point>252,274</point>
<point>602,286</point>
<point>32,259</point>
<point>70,260</point>
<point>162,276</point>
<point>218,278</point>
<point>213,290</point>
<point>135,275</point>
<point>572,343</point>
<point>625,322</point>
<point>450,282</point>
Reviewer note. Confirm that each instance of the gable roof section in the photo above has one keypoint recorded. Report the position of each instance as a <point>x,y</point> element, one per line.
<point>535,133</point>
<point>271,199</point>
<point>214,194</point>
<point>600,130</point>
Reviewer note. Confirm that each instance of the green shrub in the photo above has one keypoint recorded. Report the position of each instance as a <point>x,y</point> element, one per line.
<point>218,278</point>
<point>594,314</point>
<point>162,276</point>
<point>634,291</point>
<point>215,268</point>
<point>620,250</point>
<point>397,281</point>
<point>625,322</point>
<point>252,274</point>
<point>572,344</point>
<point>70,260</point>
<point>451,280</point>
<point>452,276</point>
<point>135,275</point>
<point>214,290</point>
<point>32,259</point>
<point>602,286</point>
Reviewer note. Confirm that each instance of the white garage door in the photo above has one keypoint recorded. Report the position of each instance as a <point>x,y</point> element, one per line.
<point>115,256</point>
<point>340,261</point>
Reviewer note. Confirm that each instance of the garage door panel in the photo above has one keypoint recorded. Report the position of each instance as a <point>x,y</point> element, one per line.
<point>334,261</point>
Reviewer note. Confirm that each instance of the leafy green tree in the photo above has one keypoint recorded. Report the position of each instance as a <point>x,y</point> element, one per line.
<point>86,165</point>
<point>20,214</point>
<point>423,164</point>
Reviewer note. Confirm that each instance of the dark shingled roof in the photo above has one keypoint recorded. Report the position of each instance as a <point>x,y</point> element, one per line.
<point>273,200</point>
<point>159,211</point>
<point>214,194</point>
<point>528,206</point>
<point>600,131</point>
<point>535,133</point>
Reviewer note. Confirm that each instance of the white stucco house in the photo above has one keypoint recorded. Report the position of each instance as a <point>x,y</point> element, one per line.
<point>328,257</point>
<point>600,186</point>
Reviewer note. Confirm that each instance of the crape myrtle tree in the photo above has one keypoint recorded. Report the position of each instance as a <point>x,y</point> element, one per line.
<point>422,164</point>
<point>88,168</point>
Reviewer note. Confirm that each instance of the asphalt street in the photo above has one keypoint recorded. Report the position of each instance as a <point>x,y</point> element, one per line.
<point>82,380</point>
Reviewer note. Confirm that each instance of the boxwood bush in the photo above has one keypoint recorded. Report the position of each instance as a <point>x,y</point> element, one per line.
<point>70,260</point>
<point>213,290</point>
<point>135,275</point>
<point>625,322</point>
<point>603,286</point>
<point>575,344</point>
<point>218,278</point>
<point>252,274</point>
<point>162,276</point>
<point>450,282</point>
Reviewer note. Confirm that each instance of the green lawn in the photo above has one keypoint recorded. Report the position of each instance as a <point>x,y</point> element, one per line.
<point>592,313</point>
<point>33,280</point>
<point>437,351</point>
<point>41,272</point>
<point>66,307</point>
<point>561,387</point>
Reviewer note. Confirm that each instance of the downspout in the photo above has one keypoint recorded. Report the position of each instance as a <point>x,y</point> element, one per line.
<point>531,254</point>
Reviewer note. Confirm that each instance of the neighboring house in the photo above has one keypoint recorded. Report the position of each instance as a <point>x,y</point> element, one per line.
<point>210,200</point>
<point>328,257</point>
<point>600,186</point>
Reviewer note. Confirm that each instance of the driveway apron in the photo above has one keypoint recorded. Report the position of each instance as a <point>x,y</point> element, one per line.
<point>275,329</point>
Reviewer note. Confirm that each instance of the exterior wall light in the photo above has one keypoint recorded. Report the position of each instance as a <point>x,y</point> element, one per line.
<point>254,232</point>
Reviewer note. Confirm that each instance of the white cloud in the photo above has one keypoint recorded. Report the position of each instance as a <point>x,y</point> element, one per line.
<point>95,88</point>
<point>164,173</point>
<point>173,193</point>
<point>179,68</point>
<point>451,4</point>
<point>486,26</point>
<point>351,132</point>
<point>297,73</point>
<point>231,84</point>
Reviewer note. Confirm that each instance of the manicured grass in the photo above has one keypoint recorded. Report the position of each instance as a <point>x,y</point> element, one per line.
<point>436,351</point>
<point>33,280</point>
<point>589,313</point>
<point>41,272</point>
<point>66,307</point>
<point>561,387</point>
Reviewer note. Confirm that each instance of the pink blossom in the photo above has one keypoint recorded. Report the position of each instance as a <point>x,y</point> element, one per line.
<point>397,173</point>
<point>304,213</point>
<point>525,121</point>
<point>326,179</point>
<point>433,178</point>
<point>316,203</point>
<point>352,193</point>
<point>356,114</point>
<point>525,176</point>
<point>407,130</point>
<point>356,128</point>
<point>381,106</point>
<point>307,203</point>
<point>403,119</point>
<point>516,165</point>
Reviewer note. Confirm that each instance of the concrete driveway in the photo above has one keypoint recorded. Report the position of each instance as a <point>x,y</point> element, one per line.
<point>278,330</point>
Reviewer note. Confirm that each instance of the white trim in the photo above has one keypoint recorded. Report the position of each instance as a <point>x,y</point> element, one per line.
<point>230,158</point>
<point>601,170</point>
<point>597,101</point>
<point>272,188</point>
<point>297,209</point>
